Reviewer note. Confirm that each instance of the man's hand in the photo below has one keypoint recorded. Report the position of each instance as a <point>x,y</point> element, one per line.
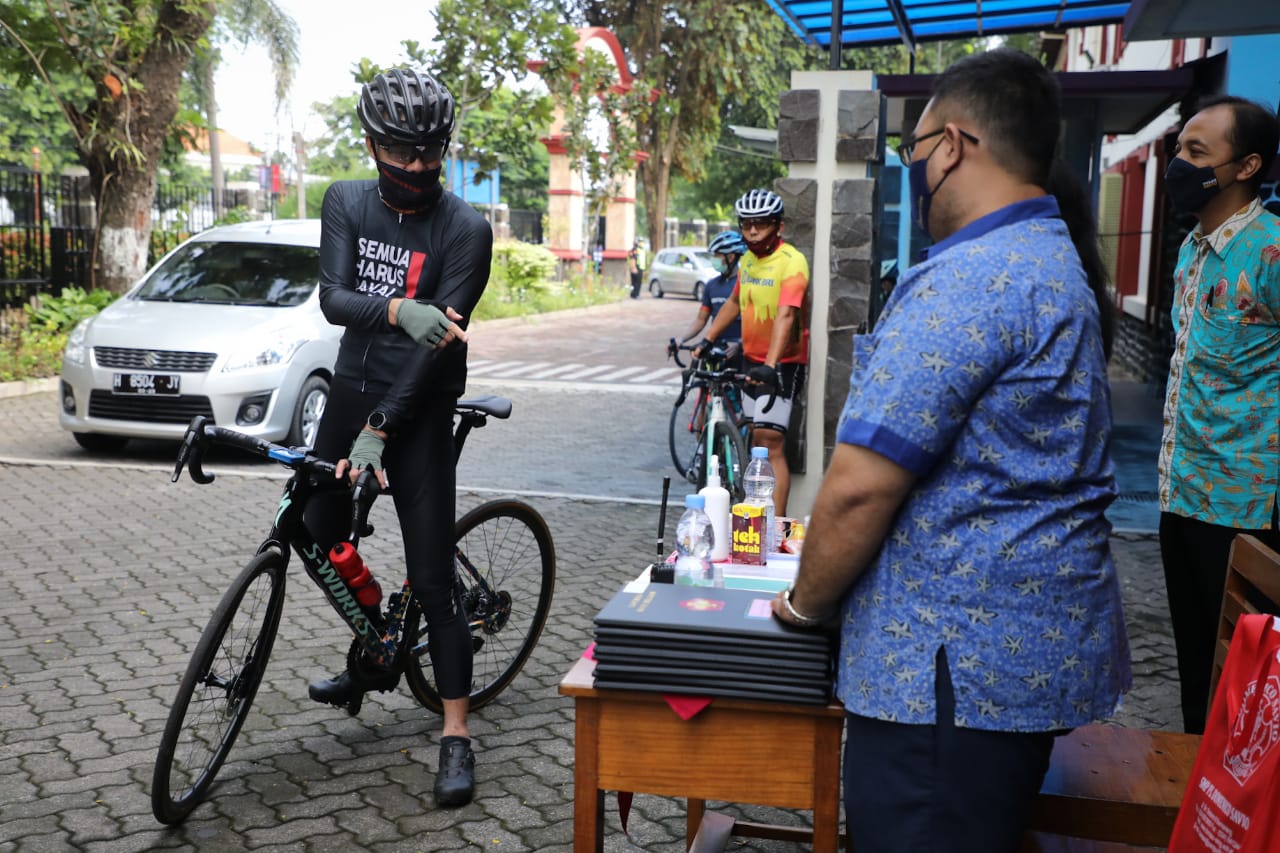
<point>427,324</point>
<point>763,374</point>
<point>704,344</point>
<point>366,451</point>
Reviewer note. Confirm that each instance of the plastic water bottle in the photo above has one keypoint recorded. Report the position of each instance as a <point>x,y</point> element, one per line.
<point>759,483</point>
<point>694,540</point>
<point>351,568</point>
<point>718,501</point>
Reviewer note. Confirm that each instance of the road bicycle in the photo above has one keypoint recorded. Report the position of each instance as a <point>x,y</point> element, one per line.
<point>707,420</point>
<point>505,568</point>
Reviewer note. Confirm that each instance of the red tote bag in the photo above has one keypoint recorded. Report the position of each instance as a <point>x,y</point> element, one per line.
<point>1232,803</point>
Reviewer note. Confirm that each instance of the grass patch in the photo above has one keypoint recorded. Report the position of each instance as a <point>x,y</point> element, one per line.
<point>523,281</point>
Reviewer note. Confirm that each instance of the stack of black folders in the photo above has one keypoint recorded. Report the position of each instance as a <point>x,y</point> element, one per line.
<point>708,641</point>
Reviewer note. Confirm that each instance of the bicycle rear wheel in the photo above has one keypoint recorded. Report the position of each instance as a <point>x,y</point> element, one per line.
<point>685,434</point>
<point>218,687</point>
<point>506,566</point>
<point>731,448</point>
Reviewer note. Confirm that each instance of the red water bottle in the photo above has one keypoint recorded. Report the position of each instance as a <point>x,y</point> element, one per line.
<point>351,568</point>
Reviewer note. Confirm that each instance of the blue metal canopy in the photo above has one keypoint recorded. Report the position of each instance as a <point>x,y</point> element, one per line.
<point>865,23</point>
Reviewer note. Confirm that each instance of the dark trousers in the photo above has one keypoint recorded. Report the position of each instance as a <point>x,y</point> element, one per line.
<point>419,461</point>
<point>1195,554</point>
<point>940,788</point>
<point>636,279</point>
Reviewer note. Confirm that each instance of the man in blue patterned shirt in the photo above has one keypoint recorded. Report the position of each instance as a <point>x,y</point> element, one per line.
<point>960,526</point>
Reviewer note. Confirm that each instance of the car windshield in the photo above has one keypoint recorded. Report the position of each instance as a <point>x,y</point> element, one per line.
<point>707,259</point>
<point>236,274</point>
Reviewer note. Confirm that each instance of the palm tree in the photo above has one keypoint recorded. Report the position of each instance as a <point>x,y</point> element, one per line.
<point>243,22</point>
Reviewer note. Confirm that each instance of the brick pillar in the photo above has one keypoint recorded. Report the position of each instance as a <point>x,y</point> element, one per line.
<point>831,134</point>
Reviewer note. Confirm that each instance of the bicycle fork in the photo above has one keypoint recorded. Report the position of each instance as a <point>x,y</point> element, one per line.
<point>715,416</point>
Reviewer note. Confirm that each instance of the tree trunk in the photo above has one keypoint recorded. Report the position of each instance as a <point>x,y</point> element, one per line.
<point>215,144</point>
<point>124,155</point>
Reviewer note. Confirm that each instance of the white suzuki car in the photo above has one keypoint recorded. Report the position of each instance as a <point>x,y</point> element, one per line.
<point>226,325</point>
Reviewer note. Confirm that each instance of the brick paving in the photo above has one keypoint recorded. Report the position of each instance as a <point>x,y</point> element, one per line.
<point>112,572</point>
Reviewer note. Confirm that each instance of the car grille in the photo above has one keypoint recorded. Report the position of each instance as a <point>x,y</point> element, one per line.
<point>154,359</point>
<point>150,408</point>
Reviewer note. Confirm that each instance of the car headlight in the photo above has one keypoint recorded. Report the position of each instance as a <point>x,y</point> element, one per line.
<point>75,351</point>
<point>276,349</point>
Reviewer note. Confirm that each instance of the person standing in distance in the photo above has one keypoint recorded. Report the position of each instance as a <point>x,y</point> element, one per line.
<point>772,298</point>
<point>728,248</point>
<point>1220,452</point>
<point>959,532</point>
<point>402,265</point>
<point>636,259</point>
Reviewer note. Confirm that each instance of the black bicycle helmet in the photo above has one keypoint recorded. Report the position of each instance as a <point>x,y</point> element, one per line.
<point>407,107</point>
<point>759,204</point>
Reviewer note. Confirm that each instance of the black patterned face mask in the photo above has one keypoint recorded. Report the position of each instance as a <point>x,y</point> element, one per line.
<point>408,192</point>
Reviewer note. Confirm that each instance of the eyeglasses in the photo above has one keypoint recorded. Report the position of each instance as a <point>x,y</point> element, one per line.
<point>751,224</point>
<point>403,155</point>
<point>906,149</point>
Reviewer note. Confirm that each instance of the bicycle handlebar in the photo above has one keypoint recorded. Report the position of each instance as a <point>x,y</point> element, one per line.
<point>202,434</point>
<point>694,371</point>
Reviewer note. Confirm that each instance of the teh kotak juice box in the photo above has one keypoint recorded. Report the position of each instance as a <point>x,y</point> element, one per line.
<point>749,521</point>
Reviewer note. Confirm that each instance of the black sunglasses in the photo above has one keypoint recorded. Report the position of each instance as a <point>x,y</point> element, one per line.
<point>406,154</point>
<point>906,149</point>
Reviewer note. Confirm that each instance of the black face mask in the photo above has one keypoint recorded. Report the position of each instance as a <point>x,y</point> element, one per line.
<point>1191,187</point>
<point>409,192</point>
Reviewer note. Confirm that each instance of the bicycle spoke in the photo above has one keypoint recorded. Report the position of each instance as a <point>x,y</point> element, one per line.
<point>506,568</point>
<point>218,689</point>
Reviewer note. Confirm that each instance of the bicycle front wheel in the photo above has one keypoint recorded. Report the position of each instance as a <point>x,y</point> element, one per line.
<point>732,451</point>
<point>218,687</point>
<point>506,569</point>
<point>685,434</point>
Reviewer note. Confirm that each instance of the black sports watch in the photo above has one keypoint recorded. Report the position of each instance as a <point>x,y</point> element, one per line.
<point>378,420</point>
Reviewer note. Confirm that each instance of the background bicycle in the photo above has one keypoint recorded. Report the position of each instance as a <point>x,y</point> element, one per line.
<point>505,565</point>
<point>707,420</point>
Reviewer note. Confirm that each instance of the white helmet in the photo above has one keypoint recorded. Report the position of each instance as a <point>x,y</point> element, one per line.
<point>759,204</point>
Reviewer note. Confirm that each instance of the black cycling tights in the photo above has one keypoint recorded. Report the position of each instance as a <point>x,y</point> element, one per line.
<point>419,463</point>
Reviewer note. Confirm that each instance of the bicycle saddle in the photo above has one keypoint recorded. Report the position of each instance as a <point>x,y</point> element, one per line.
<point>489,404</point>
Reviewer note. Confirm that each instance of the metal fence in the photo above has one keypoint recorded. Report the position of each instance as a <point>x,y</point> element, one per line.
<point>526,225</point>
<point>47,225</point>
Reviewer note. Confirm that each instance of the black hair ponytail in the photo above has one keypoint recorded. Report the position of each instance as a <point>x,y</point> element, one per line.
<point>1073,203</point>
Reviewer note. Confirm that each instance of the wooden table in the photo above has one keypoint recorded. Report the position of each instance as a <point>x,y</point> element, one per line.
<point>737,751</point>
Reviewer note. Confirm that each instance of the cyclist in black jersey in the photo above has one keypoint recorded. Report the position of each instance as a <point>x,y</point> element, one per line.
<point>402,265</point>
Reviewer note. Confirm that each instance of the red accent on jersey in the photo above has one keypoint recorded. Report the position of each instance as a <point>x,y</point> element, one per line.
<point>416,260</point>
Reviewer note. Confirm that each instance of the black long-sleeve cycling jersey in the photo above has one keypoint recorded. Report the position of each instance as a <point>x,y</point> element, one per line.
<point>370,254</point>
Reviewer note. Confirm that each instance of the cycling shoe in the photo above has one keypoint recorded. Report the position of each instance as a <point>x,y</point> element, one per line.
<point>456,777</point>
<point>346,690</point>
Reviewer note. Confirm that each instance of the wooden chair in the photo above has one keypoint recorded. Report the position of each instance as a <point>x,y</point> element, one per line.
<point>1110,785</point>
<point>1253,586</point>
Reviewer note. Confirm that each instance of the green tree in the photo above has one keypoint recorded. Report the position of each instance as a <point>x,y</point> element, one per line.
<point>521,155</point>
<point>340,151</point>
<point>31,121</point>
<point>241,23</point>
<point>734,57</point>
<point>483,51</point>
<point>115,69</point>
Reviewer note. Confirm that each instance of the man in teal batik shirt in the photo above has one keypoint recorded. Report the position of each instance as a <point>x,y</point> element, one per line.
<point>1220,452</point>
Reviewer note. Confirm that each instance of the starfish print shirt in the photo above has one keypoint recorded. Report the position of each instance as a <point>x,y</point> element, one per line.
<point>986,378</point>
<point>1220,451</point>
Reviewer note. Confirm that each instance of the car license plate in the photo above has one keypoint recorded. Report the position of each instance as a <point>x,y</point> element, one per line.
<point>145,383</point>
